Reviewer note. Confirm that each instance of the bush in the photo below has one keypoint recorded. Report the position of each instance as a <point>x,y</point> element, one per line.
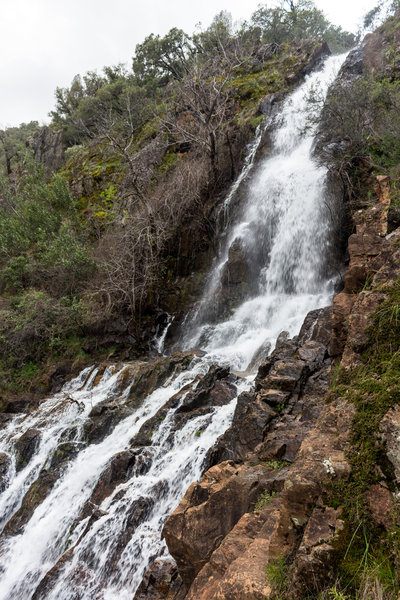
<point>36,325</point>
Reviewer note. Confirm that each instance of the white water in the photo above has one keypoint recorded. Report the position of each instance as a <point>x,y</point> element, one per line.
<point>285,230</point>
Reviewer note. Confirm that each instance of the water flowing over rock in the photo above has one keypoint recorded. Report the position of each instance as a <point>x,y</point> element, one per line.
<point>92,474</point>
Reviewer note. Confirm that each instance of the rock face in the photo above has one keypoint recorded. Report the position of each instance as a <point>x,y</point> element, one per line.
<point>286,439</point>
<point>282,446</point>
<point>48,149</point>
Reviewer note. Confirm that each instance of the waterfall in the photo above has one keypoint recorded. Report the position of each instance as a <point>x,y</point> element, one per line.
<point>63,545</point>
<point>283,233</point>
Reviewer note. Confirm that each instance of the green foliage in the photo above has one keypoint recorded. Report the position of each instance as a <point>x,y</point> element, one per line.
<point>364,115</point>
<point>299,20</point>
<point>277,573</point>
<point>40,240</point>
<point>157,59</point>
<point>13,143</point>
<point>264,499</point>
<point>276,465</point>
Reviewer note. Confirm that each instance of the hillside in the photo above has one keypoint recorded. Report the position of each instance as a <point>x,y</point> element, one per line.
<point>200,323</point>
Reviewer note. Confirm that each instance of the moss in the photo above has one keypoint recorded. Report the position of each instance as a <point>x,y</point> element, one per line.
<point>363,548</point>
<point>275,465</point>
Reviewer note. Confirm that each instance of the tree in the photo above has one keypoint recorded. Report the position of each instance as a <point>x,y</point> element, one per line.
<point>158,59</point>
<point>293,20</point>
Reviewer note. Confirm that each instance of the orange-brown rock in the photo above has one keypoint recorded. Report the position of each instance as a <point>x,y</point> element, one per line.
<point>358,323</point>
<point>381,505</point>
<point>237,569</point>
<point>342,305</point>
<point>209,511</point>
<point>313,568</point>
<point>390,433</point>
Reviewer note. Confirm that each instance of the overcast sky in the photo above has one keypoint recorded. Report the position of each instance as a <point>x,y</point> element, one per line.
<point>45,43</point>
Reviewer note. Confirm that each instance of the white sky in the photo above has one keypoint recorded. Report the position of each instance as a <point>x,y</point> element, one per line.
<point>45,43</point>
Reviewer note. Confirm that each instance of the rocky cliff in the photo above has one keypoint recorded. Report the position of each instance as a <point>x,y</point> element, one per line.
<point>301,495</point>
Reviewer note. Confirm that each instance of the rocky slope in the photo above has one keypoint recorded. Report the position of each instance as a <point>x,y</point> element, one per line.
<point>266,504</point>
<point>284,506</point>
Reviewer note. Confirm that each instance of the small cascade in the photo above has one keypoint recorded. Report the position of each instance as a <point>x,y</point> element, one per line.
<point>90,476</point>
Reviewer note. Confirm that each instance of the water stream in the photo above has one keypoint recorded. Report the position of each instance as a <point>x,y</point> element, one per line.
<point>283,232</point>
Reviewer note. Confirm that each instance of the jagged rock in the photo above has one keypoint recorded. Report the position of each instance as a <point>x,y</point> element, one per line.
<point>237,569</point>
<point>313,568</point>
<point>216,388</point>
<point>390,430</point>
<point>342,306</point>
<point>249,426</point>
<point>26,447</point>
<point>208,511</point>
<point>117,471</point>
<point>5,462</point>
<point>209,391</point>
<point>137,381</point>
<point>317,326</point>
<point>103,418</point>
<point>161,582</point>
<point>359,320</point>
<point>48,149</point>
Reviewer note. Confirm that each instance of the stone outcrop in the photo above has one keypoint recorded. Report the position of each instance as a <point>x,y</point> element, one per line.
<point>282,447</point>
<point>222,546</point>
<point>48,149</point>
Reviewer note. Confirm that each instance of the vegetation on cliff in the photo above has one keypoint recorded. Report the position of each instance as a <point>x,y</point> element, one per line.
<point>93,251</point>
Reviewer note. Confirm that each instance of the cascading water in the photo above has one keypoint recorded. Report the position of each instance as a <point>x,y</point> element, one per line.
<point>283,234</point>
<point>106,549</point>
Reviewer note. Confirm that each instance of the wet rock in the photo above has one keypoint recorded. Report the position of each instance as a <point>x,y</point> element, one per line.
<point>64,452</point>
<point>270,105</point>
<point>208,511</point>
<point>147,377</point>
<point>42,486</point>
<point>5,462</point>
<point>161,582</point>
<point>319,52</point>
<point>236,269</point>
<point>16,405</point>
<point>117,471</point>
<point>35,495</point>
<point>209,391</point>
<point>26,447</point>
<point>216,388</point>
<point>249,426</point>
<point>353,66</point>
<point>102,419</point>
